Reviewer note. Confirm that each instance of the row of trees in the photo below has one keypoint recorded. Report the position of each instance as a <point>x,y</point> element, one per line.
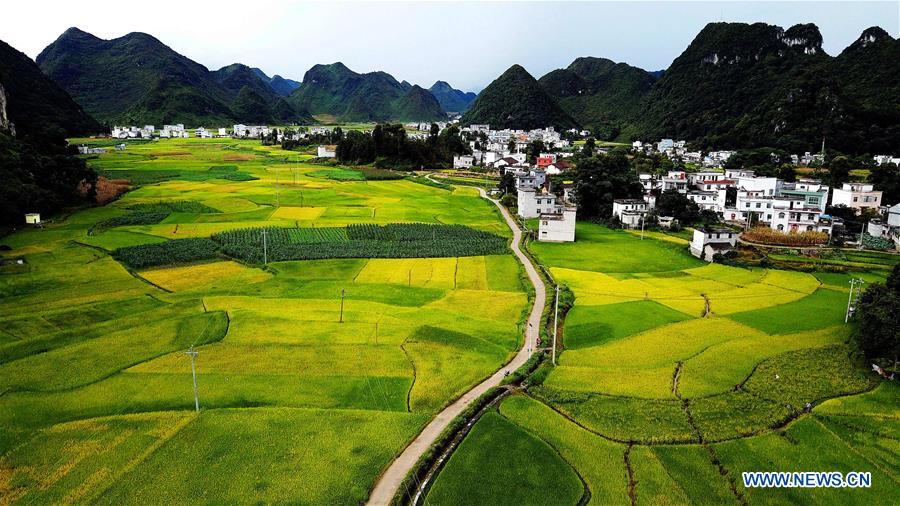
<point>389,145</point>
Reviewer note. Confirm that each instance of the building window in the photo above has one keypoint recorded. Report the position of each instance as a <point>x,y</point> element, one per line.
<point>780,227</point>
<point>781,215</point>
<point>758,205</point>
<point>809,228</point>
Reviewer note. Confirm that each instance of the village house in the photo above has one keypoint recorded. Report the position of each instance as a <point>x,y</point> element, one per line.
<point>706,200</point>
<point>557,225</point>
<point>326,151</point>
<point>706,242</point>
<point>888,227</point>
<point>630,211</point>
<point>463,162</point>
<point>790,214</point>
<point>857,196</point>
<point>532,203</point>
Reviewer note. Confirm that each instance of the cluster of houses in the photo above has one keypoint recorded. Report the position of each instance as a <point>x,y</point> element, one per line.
<point>678,149</point>
<point>556,215</point>
<point>711,160</point>
<point>784,206</point>
<point>179,131</point>
<point>495,151</point>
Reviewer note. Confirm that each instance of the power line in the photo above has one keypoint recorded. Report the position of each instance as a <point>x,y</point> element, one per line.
<point>193,354</point>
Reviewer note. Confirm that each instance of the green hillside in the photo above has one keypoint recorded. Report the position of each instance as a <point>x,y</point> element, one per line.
<point>516,100</point>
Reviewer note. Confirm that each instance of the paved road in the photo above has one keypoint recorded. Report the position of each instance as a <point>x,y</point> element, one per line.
<point>390,481</point>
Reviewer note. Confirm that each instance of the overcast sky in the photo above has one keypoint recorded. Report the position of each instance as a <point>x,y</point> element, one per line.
<point>467,44</point>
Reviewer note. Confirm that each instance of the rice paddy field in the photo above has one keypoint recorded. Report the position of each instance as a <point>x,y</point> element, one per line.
<point>676,377</point>
<point>312,374</point>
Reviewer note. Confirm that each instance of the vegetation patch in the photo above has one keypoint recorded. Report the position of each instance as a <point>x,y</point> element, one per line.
<point>176,251</point>
<point>625,419</point>
<point>152,213</point>
<point>523,469</point>
<point>401,240</point>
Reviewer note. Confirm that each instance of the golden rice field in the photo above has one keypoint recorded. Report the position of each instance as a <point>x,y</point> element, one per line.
<point>677,376</point>
<point>312,375</point>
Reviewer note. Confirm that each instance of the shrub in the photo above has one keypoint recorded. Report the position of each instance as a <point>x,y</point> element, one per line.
<point>165,253</point>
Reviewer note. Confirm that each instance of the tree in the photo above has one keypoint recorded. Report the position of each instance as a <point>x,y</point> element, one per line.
<point>535,148</point>
<point>839,171</point>
<point>878,334</point>
<point>511,145</point>
<point>601,179</point>
<point>589,146</point>
<point>673,203</point>
<point>507,183</point>
<point>886,177</point>
<point>786,172</point>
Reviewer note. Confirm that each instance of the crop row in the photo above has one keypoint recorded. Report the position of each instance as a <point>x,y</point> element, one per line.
<point>407,240</point>
<point>354,241</point>
<point>166,253</point>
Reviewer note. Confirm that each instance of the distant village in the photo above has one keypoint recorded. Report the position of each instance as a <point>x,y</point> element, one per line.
<point>784,206</point>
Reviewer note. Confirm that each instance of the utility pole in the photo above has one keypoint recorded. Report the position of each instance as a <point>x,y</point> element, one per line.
<point>342,306</point>
<point>555,320</point>
<point>861,233</point>
<point>193,354</point>
<point>642,237</point>
<point>853,284</point>
<point>265,249</point>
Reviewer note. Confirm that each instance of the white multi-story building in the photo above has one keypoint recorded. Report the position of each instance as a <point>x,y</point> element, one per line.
<point>532,203</point>
<point>558,225</point>
<point>630,211</point>
<point>857,195</point>
<point>697,178</point>
<point>326,151</point>
<point>463,162</point>
<point>675,180</point>
<point>706,242</point>
<point>706,200</point>
<point>790,214</point>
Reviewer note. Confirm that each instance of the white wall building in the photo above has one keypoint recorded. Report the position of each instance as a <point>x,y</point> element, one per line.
<point>463,162</point>
<point>326,152</point>
<point>557,226</point>
<point>857,195</point>
<point>532,204</point>
<point>709,241</point>
<point>790,214</point>
<point>630,211</point>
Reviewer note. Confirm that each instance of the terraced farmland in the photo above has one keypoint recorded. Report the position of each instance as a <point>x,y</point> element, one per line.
<point>676,377</point>
<point>312,374</point>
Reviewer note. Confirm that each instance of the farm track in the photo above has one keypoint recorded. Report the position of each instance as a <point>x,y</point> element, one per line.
<point>389,482</point>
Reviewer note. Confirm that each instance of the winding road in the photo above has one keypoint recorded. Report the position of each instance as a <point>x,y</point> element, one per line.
<point>389,482</point>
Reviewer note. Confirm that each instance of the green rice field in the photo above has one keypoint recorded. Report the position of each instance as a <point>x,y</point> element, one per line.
<point>312,374</point>
<point>676,377</point>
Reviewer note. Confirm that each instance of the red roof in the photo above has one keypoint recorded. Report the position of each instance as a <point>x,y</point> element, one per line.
<point>719,181</point>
